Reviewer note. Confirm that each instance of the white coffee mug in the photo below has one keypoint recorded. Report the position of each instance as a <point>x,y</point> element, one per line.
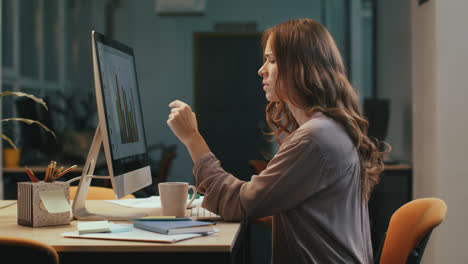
<point>174,197</point>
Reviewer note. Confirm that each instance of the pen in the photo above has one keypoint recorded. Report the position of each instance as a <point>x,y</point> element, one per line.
<point>65,171</point>
<point>31,175</point>
<point>46,177</point>
<point>52,172</point>
<point>57,173</point>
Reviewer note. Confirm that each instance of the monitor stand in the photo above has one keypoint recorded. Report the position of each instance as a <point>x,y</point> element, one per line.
<point>79,209</point>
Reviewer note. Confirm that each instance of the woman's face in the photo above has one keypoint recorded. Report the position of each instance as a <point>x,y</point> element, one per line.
<point>269,72</point>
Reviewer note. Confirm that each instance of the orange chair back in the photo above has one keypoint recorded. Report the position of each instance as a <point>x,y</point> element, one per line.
<point>408,226</point>
<point>258,165</point>
<point>98,193</point>
<point>23,250</point>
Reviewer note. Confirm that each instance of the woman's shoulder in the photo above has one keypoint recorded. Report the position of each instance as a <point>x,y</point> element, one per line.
<point>325,132</point>
<point>317,126</point>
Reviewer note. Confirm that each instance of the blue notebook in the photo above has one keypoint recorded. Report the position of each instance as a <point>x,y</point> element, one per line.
<point>175,227</point>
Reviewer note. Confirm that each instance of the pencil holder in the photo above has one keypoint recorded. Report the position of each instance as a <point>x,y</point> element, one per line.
<point>43,203</point>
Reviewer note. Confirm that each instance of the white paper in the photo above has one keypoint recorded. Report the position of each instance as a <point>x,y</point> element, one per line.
<point>55,201</point>
<point>150,202</point>
<point>135,235</point>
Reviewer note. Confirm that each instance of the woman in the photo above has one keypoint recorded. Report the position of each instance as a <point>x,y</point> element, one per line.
<point>318,183</point>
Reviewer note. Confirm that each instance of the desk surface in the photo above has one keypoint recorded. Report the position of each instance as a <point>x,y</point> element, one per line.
<point>220,242</point>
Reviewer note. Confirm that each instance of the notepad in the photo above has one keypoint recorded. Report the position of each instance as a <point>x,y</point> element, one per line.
<point>102,227</point>
<point>93,227</point>
<point>176,227</point>
<point>55,201</point>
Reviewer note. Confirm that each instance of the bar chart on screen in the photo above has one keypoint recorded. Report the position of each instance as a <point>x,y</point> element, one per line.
<point>126,113</point>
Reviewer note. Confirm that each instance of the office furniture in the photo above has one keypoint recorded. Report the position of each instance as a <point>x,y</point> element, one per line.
<point>165,165</point>
<point>98,193</point>
<point>257,165</point>
<point>223,247</point>
<point>266,221</point>
<point>394,189</point>
<point>26,250</point>
<point>409,230</point>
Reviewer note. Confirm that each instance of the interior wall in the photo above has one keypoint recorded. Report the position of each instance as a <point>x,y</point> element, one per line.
<point>164,55</point>
<point>394,72</point>
<point>440,120</point>
<point>452,126</point>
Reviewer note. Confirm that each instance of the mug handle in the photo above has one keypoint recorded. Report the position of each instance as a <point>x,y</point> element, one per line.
<point>194,195</point>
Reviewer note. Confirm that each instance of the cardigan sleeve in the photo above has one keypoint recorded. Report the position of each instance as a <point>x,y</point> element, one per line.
<point>291,176</point>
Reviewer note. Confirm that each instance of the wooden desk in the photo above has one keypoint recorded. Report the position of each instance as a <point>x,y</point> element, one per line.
<point>395,167</point>
<point>221,247</point>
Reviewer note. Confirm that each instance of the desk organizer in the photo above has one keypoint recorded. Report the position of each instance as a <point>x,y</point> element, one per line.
<point>31,211</point>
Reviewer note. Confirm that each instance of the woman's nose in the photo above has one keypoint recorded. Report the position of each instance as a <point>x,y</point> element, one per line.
<point>261,71</point>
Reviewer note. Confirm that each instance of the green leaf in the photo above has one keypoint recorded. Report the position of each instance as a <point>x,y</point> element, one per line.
<point>29,122</point>
<point>9,141</point>
<point>20,94</point>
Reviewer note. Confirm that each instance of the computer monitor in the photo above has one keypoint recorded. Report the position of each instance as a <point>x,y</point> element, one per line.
<point>120,129</point>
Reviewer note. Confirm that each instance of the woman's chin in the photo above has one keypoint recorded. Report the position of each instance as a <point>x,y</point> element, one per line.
<point>271,98</point>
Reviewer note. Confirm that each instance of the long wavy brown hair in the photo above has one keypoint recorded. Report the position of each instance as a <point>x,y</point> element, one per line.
<point>311,75</point>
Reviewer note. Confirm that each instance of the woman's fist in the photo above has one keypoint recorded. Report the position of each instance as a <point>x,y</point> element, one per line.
<point>182,121</point>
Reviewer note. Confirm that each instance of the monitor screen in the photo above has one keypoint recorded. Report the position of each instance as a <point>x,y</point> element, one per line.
<point>121,113</point>
<point>122,107</point>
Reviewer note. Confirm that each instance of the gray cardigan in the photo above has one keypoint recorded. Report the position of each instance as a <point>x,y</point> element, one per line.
<point>312,189</point>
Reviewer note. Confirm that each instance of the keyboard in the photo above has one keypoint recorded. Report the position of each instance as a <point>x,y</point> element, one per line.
<point>200,213</point>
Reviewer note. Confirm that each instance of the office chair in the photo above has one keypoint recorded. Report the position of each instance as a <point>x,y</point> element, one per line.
<point>409,230</point>
<point>258,165</point>
<point>24,250</point>
<point>98,193</point>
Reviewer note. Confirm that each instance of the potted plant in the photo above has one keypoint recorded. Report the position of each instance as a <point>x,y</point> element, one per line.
<point>11,154</point>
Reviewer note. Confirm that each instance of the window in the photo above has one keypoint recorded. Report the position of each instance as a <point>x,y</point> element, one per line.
<point>46,50</point>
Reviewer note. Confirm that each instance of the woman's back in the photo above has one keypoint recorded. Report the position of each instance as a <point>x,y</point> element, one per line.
<point>331,225</point>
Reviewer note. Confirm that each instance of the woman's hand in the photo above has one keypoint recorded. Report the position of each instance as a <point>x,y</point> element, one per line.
<point>182,121</point>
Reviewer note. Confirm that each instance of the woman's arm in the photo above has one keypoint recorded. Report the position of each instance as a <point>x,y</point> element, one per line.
<point>291,176</point>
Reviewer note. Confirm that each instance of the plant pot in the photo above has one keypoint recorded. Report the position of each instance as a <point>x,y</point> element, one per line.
<point>11,157</point>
